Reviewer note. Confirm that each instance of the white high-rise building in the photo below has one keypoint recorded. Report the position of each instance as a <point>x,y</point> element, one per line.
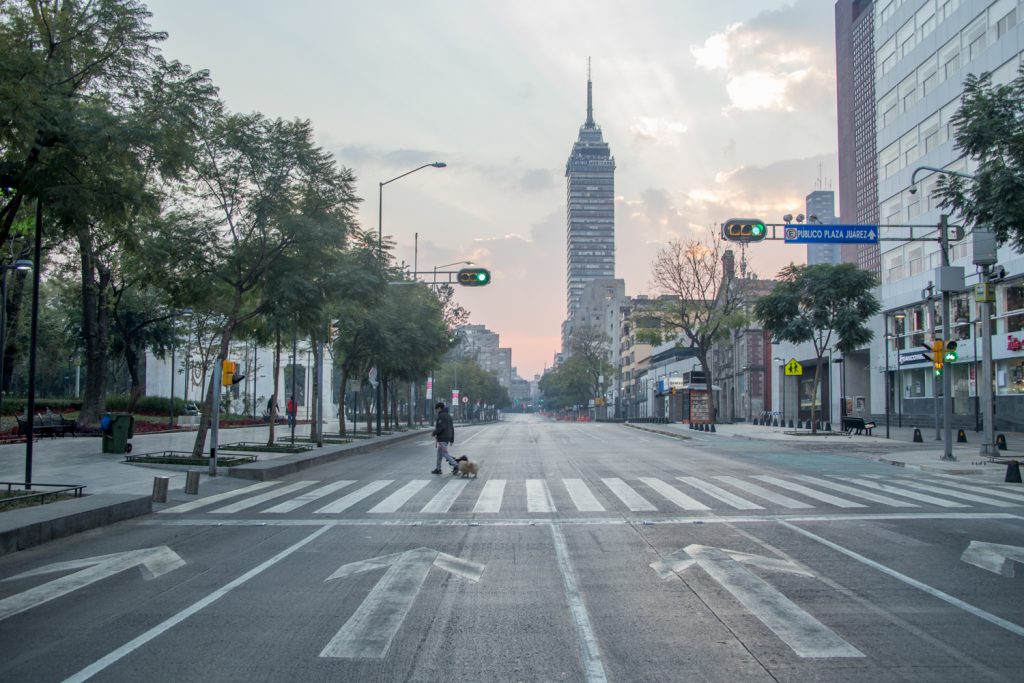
<point>924,49</point>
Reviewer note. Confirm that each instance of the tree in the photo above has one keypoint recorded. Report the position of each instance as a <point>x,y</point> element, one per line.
<point>568,385</point>
<point>589,345</point>
<point>263,200</point>
<point>990,130</point>
<point>819,302</point>
<point>704,306</point>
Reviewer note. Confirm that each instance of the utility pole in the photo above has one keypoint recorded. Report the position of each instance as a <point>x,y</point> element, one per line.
<point>985,248</point>
<point>949,279</point>
<point>929,293</point>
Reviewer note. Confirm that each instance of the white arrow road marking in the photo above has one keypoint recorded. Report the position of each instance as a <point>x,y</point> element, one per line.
<point>994,557</point>
<point>807,636</point>
<point>369,631</point>
<point>153,561</point>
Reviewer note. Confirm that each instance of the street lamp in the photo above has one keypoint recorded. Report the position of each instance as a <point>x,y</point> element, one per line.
<point>782,390</point>
<point>899,318</point>
<point>22,264</point>
<point>380,250</point>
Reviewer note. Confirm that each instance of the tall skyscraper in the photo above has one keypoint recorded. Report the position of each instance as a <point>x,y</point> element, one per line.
<point>590,214</point>
<point>855,95</point>
<point>822,205</point>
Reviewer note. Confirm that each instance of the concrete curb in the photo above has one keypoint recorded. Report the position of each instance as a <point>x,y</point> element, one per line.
<point>657,431</point>
<point>289,464</point>
<point>27,527</point>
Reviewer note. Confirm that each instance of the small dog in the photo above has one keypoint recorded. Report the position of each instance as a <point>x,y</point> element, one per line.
<point>467,467</point>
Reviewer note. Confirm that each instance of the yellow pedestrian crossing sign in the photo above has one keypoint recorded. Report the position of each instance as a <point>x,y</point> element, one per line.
<point>794,368</point>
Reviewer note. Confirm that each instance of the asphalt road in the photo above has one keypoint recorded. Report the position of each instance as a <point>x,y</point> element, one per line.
<point>582,552</point>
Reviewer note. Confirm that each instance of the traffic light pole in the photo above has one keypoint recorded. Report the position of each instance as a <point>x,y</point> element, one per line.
<point>217,380</point>
<point>947,387</point>
<point>983,385</point>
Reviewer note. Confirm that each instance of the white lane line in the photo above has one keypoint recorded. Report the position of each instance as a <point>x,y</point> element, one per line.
<point>590,652</point>
<point>809,492</point>
<point>934,592</point>
<point>630,498</point>
<point>673,494</point>
<point>262,498</point>
<point>444,499</point>
<point>161,628</point>
<point>761,492</point>
<point>216,498</point>
<point>400,497</point>
<point>538,497</point>
<point>856,493</point>
<point>307,497</point>
<point>490,498</point>
<point>582,497</point>
<point>941,502</point>
<point>720,493</point>
<point>954,493</point>
<point>345,502</point>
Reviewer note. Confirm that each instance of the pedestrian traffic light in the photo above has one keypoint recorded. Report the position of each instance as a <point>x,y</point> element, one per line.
<point>744,230</point>
<point>228,376</point>
<point>950,355</point>
<point>474,277</point>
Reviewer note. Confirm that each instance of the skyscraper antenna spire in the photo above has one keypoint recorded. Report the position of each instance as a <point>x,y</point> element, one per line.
<point>590,99</point>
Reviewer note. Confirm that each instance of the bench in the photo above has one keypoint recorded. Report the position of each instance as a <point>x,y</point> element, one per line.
<point>46,424</point>
<point>857,425</point>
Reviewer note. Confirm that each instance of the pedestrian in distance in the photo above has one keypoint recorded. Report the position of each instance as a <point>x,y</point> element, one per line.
<point>444,433</point>
<point>271,407</point>
<point>292,409</point>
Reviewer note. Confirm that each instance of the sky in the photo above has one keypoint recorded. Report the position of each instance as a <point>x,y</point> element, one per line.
<point>712,111</point>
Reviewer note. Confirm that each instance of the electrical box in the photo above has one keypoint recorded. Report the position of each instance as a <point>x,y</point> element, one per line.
<point>984,244</point>
<point>949,278</point>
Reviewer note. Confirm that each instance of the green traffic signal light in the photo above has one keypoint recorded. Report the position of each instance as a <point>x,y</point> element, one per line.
<point>950,354</point>
<point>744,230</point>
<point>474,277</point>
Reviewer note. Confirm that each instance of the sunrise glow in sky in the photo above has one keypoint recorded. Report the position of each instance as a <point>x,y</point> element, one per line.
<point>712,110</point>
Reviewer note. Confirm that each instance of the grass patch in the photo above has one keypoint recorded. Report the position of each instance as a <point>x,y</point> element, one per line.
<point>6,502</point>
<point>264,448</point>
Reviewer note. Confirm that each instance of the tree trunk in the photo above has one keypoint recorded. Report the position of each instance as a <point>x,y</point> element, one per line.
<point>341,401</point>
<point>316,423</point>
<point>131,359</point>
<point>369,413</point>
<point>15,289</point>
<point>273,405</point>
<point>814,397</point>
<point>95,329</point>
<point>206,414</point>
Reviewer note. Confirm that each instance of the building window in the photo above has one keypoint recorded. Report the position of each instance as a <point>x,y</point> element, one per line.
<point>949,58</point>
<point>886,57</point>
<point>946,8</point>
<point>973,38</point>
<point>1015,307</point>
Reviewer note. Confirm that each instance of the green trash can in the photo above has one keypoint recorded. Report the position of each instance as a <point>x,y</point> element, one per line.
<point>118,428</point>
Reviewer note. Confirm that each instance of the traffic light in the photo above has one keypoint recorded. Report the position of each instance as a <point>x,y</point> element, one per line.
<point>937,356</point>
<point>950,355</point>
<point>474,277</point>
<point>227,374</point>
<point>744,230</point>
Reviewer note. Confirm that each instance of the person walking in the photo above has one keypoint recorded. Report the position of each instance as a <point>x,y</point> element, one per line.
<point>444,432</point>
<point>292,409</point>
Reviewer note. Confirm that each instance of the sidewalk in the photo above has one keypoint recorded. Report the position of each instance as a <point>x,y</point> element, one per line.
<point>899,449</point>
<point>116,490</point>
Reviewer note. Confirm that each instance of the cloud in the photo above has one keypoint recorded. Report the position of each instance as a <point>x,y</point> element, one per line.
<point>537,180</point>
<point>656,130</point>
<point>770,63</point>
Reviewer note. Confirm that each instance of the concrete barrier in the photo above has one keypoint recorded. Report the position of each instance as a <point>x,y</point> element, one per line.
<point>28,527</point>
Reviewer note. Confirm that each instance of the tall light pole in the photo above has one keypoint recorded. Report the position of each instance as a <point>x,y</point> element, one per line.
<point>174,344</point>
<point>21,264</point>
<point>380,253</point>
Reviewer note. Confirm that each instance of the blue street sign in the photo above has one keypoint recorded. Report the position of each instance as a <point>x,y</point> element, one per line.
<point>830,234</point>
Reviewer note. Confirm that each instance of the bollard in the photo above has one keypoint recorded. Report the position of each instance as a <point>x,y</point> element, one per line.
<point>192,482</point>
<point>711,428</point>
<point>160,489</point>
<point>917,436</point>
<point>1012,472</point>
<point>961,436</point>
<point>791,424</point>
<point>828,426</point>
<point>1001,442</point>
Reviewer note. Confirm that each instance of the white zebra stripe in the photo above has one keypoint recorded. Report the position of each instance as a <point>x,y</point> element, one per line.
<point>491,497</point>
<point>941,502</point>
<point>953,493</point>
<point>582,497</point>
<point>216,498</point>
<point>857,493</point>
<point>630,498</point>
<point>351,499</point>
<point>761,492</point>
<point>538,498</point>
<point>809,492</point>
<point>307,497</point>
<point>443,501</point>
<point>720,493</point>
<point>400,497</point>
<point>262,498</point>
<point>673,494</point>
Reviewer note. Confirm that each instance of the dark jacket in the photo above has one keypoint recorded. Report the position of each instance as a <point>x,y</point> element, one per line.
<point>444,430</point>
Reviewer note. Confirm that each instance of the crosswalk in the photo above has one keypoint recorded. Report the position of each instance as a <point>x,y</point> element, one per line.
<point>714,493</point>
